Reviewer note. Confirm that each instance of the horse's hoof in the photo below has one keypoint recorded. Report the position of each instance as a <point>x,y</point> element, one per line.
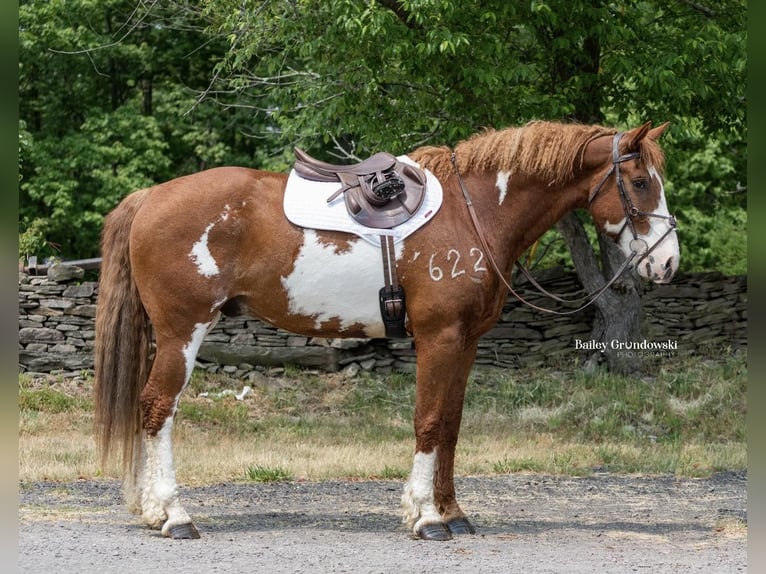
<point>183,531</point>
<point>435,531</point>
<point>460,526</point>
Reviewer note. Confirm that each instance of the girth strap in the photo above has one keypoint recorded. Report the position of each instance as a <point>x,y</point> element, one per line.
<point>391,296</point>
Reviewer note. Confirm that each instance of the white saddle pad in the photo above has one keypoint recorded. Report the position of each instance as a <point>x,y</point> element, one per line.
<point>306,205</point>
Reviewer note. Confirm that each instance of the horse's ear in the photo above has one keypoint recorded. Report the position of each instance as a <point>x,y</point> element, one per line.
<point>632,138</point>
<point>655,133</point>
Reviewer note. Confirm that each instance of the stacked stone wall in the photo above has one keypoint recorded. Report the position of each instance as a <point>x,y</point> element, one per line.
<point>699,311</point>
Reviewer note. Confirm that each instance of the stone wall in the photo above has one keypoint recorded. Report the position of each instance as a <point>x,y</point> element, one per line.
<point>700,311</point>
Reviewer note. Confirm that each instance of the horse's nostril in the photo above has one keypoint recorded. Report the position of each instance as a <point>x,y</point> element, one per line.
<point>668,270</point>
<point>669,263</point>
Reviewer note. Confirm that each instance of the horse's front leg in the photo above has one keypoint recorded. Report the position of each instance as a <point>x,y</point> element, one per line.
<point>429,501</point>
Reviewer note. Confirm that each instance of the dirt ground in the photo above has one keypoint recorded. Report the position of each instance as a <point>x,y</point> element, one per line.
<point>525,523</point>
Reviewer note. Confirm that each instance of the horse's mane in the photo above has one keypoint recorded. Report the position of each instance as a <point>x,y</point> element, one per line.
<point>549,150</point>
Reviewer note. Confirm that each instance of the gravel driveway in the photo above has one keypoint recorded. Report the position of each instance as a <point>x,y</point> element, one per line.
<point>529,524</point>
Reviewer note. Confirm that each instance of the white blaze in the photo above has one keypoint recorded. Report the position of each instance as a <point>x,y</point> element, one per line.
<point>663,261</point>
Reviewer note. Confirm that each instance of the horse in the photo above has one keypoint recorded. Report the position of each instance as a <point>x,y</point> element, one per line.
<point>178,255</point>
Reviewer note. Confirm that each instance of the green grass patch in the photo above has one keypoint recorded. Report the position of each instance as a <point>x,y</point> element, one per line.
<point>512,465</point>
<point>692,400</point>
<point>223,415</point>
<point>51,400</point>
<point>259,473</point>
<point>392,473</point>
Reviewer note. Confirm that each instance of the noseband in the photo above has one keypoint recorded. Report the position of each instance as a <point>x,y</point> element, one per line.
<point>631,212</point>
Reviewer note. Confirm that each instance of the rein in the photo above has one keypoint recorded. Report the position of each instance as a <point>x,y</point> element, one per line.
<point>631,212</point>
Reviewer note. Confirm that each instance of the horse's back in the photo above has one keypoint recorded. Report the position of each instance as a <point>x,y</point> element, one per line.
<point>219,183</point>
<point>177,208</point>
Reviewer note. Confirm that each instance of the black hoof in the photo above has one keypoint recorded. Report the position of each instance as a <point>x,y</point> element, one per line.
<point>435,531</point>
<point>183,531</point>
<point>460,526</point>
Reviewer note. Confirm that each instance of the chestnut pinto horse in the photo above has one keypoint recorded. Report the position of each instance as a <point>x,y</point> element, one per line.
<point>179,254</point>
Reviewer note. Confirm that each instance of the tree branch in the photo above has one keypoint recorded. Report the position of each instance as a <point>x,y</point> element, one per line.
<point>709,12</point>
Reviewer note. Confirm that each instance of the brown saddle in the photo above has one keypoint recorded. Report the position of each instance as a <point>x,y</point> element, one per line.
<point>379,192</point>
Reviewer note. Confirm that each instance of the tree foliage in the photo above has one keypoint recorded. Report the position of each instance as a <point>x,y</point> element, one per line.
<point>116,95</point>
<point>107,101</point>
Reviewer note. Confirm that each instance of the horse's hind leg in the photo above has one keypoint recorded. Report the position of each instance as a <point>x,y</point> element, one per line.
<point>155,480</point>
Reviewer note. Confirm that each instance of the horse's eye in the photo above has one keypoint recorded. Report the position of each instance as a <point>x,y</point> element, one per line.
<point>639,184</point>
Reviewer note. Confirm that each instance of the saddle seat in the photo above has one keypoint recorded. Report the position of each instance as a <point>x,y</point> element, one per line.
<point>380,191</point>
<point>381,161</point>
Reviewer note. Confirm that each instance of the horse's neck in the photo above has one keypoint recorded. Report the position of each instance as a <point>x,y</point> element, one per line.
<point>520,213</point>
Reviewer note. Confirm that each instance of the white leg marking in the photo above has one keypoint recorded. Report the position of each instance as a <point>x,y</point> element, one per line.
<point>502,185</point>
<point>159,502</point>
<point>320,273</point>
<point>156,482</point>
<point>418,496</point>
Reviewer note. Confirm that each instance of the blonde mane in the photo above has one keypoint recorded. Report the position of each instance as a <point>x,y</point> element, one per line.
<point>549,150</point>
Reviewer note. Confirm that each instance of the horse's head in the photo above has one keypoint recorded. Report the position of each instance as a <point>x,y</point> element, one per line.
<point>627,199</point>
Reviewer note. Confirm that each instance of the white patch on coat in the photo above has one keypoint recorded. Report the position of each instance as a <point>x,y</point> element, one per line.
<point>200,252</point>
<point>218,304</point>
<point>329,285</point>
<point>614,229</point>
<point>418,496</point>
<point>191,348</point>
<point>502,185</point>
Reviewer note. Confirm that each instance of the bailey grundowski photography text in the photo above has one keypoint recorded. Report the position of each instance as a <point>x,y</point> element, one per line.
<point>642,348</point>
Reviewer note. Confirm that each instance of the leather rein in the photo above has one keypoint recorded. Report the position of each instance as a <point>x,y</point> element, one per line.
<point>630,210</point>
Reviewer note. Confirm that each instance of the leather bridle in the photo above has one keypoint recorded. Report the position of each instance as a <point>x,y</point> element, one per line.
<point>630,210</point>
<point>628,207</point>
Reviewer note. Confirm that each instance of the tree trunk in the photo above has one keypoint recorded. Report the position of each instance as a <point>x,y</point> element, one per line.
<point>618,309</point>
<point>146,90</point>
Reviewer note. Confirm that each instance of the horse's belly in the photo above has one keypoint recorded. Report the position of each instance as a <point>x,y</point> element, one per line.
<point>334,286</point>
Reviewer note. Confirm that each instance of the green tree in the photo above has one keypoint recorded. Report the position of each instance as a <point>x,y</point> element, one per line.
<point>109,96</point>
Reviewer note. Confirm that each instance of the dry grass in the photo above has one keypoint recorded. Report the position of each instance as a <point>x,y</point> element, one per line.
<point>688,421</point>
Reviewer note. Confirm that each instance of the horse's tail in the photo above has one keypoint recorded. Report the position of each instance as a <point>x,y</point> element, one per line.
<point>123,339</point>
